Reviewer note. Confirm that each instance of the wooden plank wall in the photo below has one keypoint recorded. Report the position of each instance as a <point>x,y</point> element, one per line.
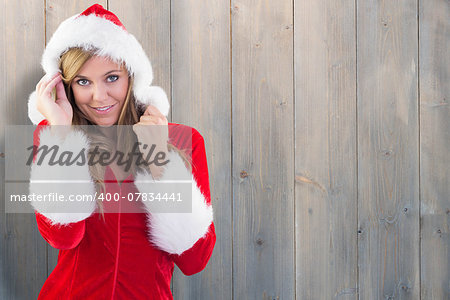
<point>434,131</point>
<point>200,68</point>
<point>388,156</point>
<point>327,129</point>
<point>23,254</point>
<point>326,150</point>
<point>262,150</point>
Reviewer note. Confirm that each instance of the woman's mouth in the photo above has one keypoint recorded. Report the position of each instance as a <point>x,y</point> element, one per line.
<point>103,109</point>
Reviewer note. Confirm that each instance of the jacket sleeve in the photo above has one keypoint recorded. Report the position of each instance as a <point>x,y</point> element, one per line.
<point>61,237</point>
<point>189,238</point>
<point>61,223</point>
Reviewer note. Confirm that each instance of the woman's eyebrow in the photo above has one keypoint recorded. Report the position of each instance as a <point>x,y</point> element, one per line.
<point>82,76</point>
<point>112,71</point>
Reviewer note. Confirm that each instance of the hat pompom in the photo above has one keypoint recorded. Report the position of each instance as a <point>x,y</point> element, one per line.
<point>154,95</point>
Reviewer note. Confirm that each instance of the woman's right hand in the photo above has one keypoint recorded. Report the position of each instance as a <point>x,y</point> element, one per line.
<point>57,112</point>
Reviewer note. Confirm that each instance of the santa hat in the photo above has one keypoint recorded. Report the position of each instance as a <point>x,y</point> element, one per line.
<point>101,30</point>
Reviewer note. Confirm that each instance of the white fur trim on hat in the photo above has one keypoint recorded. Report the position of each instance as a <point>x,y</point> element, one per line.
<point>92,32</point>
<point>52,181</point>
<point>156,96</point>
<point>175,232</point>
<point>35,116</point>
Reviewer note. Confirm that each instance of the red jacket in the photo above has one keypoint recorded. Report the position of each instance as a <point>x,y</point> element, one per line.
<point>127,255</point>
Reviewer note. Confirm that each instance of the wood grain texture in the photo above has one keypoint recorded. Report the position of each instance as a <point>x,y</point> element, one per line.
<point>201,82</point>
<point>325,150</point>
<point>22,250</point>
<point>57,11</point>
<point>262,151</point>
<point>434,70</point>
<point>317,138</point>
<point>388,150</point>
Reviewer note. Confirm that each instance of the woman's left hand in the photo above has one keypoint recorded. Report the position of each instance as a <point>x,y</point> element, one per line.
<point>156,134</point>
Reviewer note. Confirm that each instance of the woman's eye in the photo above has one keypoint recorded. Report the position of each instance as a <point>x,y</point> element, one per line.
<point>113,78</point>
<point>83,82</point>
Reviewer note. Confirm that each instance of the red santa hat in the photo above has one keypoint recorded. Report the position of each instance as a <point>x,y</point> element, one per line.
<point>100,30</point>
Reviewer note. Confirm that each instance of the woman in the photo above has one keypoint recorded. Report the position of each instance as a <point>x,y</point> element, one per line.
<point>102,77</point>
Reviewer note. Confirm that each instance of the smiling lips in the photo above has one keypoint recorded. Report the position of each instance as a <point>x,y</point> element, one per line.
<point>103,109</point>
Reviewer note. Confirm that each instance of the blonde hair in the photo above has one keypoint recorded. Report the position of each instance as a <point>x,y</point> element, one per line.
<point>70,64</point>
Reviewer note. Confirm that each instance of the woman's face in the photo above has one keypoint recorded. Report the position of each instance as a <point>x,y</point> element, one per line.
<point>100,89</point>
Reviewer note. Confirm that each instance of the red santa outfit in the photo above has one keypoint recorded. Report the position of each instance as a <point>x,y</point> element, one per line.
<point>124,255</point>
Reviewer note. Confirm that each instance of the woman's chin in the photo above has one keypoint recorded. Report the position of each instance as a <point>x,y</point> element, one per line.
<point>105,122</point>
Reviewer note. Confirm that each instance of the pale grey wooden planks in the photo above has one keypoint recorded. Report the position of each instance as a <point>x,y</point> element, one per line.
<point>354,134</point>
<point>325,152</point>
<point>388,144</point>
<point>200,44</point>
<point>434,71</point>
<point>22,250</point>
<point>262,150</point>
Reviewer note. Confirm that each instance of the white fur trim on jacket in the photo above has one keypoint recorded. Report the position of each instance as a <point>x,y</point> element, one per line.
<point>66,181</point>
<point>176,232</point>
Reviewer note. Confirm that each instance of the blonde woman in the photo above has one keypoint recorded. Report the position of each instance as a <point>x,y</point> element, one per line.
<point>121,247</point>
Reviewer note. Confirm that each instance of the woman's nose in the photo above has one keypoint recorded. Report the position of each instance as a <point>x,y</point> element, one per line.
<point>100,92</point>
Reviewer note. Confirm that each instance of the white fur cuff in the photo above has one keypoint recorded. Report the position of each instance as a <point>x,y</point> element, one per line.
<point>66,191</point>
<point>176,232</point>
